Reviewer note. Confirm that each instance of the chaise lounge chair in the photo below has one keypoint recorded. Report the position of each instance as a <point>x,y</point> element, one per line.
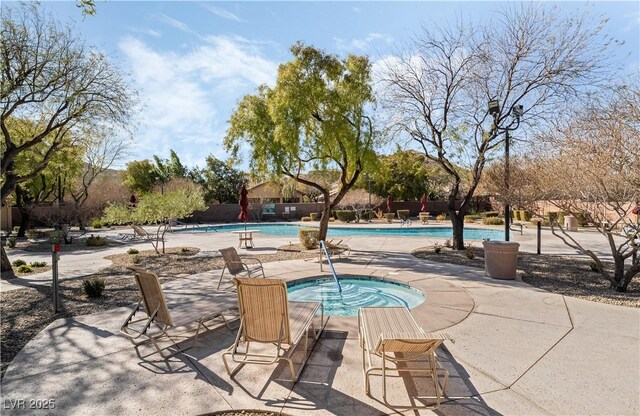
<point>386,332</point>
<point>239,266</point>
<point>266,317</point>
<point>139,232</point>
<point>162,315</point>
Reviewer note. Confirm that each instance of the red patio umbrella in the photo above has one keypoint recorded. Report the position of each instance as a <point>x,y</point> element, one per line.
<point>423,207</point>
<point>244,206</point>
<point>389,203</point>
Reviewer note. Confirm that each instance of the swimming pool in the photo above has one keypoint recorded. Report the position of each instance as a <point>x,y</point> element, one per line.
<point>357,291</point>
<point>291,230</point>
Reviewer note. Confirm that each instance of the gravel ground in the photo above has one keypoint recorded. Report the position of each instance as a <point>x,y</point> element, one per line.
<point>26,312</point>
<point>564,275</point>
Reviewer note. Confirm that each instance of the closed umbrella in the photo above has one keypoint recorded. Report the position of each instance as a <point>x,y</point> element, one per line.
<point>389,203</point>
<point>244,206</point>
<point>423,207</point>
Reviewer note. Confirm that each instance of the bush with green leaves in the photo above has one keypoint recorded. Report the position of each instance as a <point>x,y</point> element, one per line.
<point>314,216</point>
<point>525,215</point>
<point>436,248</point>
<point>32,234</point>
<point>305,219</point>
<point>309,237</point>
<point>96,241</point>
<point>24,269</point>
<point>18,263</point>
<point>11,242</point>
<point>561,215</point>
<point>515,215</point>
<point>96,223</point>
<point>403,214</point>
<point>551,217</point>
<point>37,264</point>
<point>136,259</point>
<point>441,217</point>
<point>492,221</point>
<point>132,251</point>
<point>447,243</point>
<point>345,215</point>
<point>93,288</point>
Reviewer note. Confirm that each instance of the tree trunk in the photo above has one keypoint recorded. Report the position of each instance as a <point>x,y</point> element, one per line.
<point>324,220</point>
<point>5,266</point>
<point>458,229</point>
<point>25,220</point>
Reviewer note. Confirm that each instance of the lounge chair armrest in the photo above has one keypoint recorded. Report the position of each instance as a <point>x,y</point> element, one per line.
<point>252,259</point>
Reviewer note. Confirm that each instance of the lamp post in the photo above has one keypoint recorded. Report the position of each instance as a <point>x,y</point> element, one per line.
<point>516,113</point>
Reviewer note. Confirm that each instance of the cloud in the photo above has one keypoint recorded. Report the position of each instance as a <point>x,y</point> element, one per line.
<point>177,24</point>
<point>363,44</point>
<point>633,21</point>
<point>150,32</point>
<point>356,9</point>
<point>225,14</point>
<point>184,91</point>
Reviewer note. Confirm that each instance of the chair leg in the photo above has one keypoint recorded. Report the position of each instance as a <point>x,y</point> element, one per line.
<point>221,274</point>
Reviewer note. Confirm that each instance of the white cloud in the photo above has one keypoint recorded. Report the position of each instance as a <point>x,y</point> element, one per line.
<point>356,9</point>
<point>177,24</point>
<point>183,92</point>
<point>225,14</point>
<point>150,32</point>
<point>363,44</point>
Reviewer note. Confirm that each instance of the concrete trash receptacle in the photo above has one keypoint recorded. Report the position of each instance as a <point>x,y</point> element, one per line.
<point>570,223</point>
<point>500,259</point>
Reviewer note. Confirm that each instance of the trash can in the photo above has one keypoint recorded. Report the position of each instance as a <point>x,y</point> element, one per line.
<point>500,259</point>
<point>570,223</point>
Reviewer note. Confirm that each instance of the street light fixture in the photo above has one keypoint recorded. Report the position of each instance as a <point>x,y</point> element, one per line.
<point>516,112</point>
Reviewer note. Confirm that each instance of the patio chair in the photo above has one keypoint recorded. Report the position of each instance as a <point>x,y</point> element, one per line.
<point>391,333</point>
<point>238,266</point>
<point>161,316</point>
<point>139,232</point>
<point>266,317</point>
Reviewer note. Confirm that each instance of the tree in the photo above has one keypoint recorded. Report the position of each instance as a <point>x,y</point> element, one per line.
<point>315,118</point>
<point>140,176</point>
<point>220,181</point>
<point>360,201</point>
<point>180,199</point>
<point>169,169</point>
<point>437,93</point>
<point>407,175</point>
<point>592,170</point>
<point>54,80</point>
<point>524,188</point>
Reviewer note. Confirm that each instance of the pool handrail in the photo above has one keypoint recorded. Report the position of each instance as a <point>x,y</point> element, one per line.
<point>323,247</point>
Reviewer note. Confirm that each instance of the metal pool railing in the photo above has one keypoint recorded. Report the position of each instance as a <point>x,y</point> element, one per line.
<point>333,271</point>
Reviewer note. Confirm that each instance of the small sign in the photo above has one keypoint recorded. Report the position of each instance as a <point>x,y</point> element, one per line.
<point>57,248</point>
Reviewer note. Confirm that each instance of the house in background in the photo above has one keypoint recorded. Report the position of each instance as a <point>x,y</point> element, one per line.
<point>269,192</point>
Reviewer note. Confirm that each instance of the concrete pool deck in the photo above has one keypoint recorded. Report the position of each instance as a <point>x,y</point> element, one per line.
<point>518,350</point>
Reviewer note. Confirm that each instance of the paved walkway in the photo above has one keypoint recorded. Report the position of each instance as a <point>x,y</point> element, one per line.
<point>518,350</point>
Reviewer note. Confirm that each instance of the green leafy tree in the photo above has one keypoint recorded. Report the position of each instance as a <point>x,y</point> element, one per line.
<point>156,208</point>
<point>168,169</point>
<point>437,93</point>
<point>140,176</point>
<point>407,175</point>
<point>220,181</point>
<point>315,118</point>
<point>52,78</point>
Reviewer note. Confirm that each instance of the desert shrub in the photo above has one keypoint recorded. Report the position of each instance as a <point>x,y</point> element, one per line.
<point>135,259</point>
<point>389,216</point>
<point>345,215</point>
<point>305,219</point>
<point>447,243</point>
<point>25,269</point>
<point>551,216</point>
<point>32,235</point>
<point>469,251</point>
<point>96,241</point>
<point>583,218</point>
<point>471,218</point>
<point>525,215</point>
<point>436,248</point>
<point>441,217</point>
<point>93,288</point>
<point>515,214</point>
<point>593,266</point>
<point>468,220</point>
<point>11,242</point>
<point>313,216</point>
<point>185,250</point>
<point>18,263</point>
<point>38,264</point>
<point>490,214</point>
<point>132,251</point>
<point>492,221</point>
<point>96,223</point>
<point>331,219</point>
<point>403,214</point>
<point>309,237</point>
<point>561,215</point>
<point>536,220</point>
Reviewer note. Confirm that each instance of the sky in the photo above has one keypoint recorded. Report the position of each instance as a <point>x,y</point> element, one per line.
<point>191,61</point>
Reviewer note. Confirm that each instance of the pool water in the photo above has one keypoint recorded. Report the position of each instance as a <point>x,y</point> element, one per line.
<point>356,293</point>
<point>291,230</point>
